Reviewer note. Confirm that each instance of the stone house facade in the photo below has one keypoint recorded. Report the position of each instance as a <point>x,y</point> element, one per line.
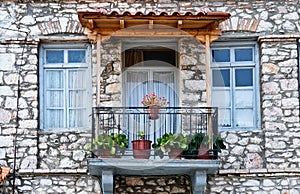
<point>262,158</point>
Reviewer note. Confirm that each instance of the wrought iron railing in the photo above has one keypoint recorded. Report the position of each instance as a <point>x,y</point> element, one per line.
<point>130,121</point>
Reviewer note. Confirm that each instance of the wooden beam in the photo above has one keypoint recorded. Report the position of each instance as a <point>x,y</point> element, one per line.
<point>122,24</point>
<point>99,37</point>
<point>179,24</point>
<point>207,69</point>
<point>150,26</point>
<point>90,24</point>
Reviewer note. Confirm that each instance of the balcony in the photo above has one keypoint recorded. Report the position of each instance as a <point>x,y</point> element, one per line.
<point>131,121</point>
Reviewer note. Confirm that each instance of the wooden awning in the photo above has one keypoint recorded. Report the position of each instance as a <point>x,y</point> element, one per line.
<point>203,25</point>
<point>164,24</point>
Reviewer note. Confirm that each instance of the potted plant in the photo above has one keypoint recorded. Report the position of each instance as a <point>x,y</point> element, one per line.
<point>141,147</point>
<point>218,145</point>
<point>109,145</point>
<point>153,104</point>
<point>171,143</point>
<point>198,147</point>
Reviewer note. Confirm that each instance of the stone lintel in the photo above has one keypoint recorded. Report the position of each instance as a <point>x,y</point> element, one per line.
<point>51,171</point>
<point>279,38</point>
<point>261,172</point>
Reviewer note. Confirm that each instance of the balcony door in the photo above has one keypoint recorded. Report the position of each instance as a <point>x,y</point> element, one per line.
<point>154,72</point>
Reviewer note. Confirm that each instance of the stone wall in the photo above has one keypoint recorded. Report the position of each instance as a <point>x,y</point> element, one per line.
<point>192,72</point>
<point>67,182</point>
<point>63,150</point>
<point>255,181</point>
<point>265,160</point>
<point>111,73</point>
<point>280,99</point>
<point>150,184</point>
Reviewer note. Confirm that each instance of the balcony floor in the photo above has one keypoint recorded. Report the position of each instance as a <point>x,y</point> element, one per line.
<point>106,168</point>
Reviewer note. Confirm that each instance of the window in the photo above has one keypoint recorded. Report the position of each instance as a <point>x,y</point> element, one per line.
<point>234,85</point>
<point>65,86</point>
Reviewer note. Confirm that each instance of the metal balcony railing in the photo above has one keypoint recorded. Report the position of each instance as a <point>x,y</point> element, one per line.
<point>130,121</point>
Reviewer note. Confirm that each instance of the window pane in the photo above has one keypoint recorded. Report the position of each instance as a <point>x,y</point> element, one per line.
<point>77,79</point>
<point>76,56</point>
<point>54,56</point>
<point>54,98</point>
<point>224,117</point>
<point>243,77</point>
<point>244,98</point>
<point>245,54</point>
<point>77,118</point>
<point>54,79</point>
<point>244,117</point>
<point>221,78</point>
<point>163,85</point>
<point>221,98</point>
<point>221,55</point>
<point>77,98</point>
<point>137,86</point>
<point>54,119</point>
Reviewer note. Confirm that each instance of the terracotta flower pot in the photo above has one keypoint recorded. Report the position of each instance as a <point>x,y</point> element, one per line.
<point>203,153</point>
<point>141,148</point>
<point>175,154</point>
<point>104,153</point>
<point>153,112</point>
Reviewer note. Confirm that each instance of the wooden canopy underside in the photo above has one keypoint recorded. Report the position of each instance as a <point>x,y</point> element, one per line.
<point>162,25</point>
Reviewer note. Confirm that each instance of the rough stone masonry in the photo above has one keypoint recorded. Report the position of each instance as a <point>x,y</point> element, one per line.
<point>260,161</point>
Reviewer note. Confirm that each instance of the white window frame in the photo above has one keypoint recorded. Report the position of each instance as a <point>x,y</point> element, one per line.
<point>239,65</point>
<point>86,66</point>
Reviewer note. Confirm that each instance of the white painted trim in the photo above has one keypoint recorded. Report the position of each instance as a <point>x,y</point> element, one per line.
<point>86,66</point>
<point>256,78</point>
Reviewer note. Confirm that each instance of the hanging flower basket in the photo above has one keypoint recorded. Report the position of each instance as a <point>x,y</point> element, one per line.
<point>153,112</point>
<point>153,104</point>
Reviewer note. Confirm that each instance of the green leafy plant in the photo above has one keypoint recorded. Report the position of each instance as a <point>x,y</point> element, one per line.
<point>170,141</point>
<point>195,141</point>
<point>219,144</point>
<point>112,142</point>
<point>141,134</point>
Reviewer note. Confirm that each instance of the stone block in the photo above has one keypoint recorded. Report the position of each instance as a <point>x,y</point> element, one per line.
<point>2,153</point>
<point>5,116</point>
<point>251,183</point>
<point>238,150</point>
<point>29,162</point>
<point>6,141</point>
<point>195,85</point>
<point>7,62</point>
<point>134,181</point>
<point>270,68</point>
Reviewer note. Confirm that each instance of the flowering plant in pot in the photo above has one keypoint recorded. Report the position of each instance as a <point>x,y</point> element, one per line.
<point>141,147</point>
<point>171,143</point>
<point>109,145</point>
<point>154,103</point>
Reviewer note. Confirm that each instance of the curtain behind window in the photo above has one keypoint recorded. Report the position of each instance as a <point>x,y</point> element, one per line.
<point>133,56</point>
